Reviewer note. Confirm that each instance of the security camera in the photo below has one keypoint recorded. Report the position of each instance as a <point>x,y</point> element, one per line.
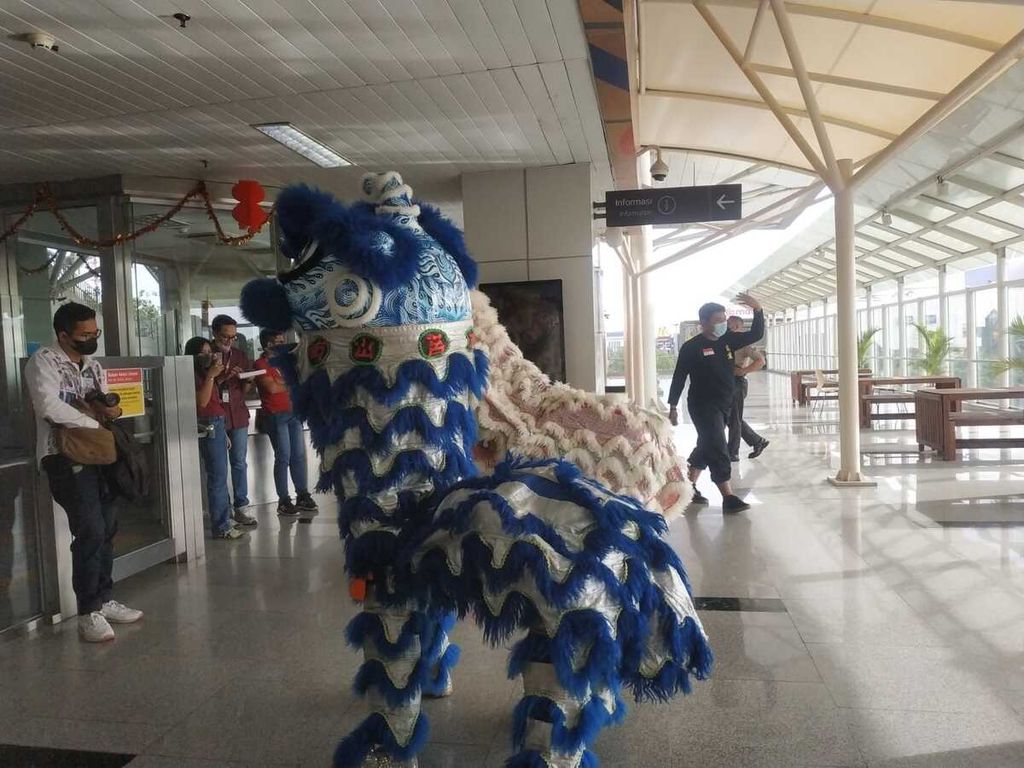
<point>659,168</point>
<point>41,41</point>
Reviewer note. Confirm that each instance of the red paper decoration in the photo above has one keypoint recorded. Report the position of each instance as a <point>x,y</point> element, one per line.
<point>248,212</point>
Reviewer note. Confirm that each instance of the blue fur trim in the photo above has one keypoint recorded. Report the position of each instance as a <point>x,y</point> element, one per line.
<point>264,303</point>
<point>592,718</point>
<point>440,675</point>
<point>370,245</point>
<point>459,428</point>
<point>449,237</point>
<point>369,627</point>
<point>406,463</point>
<point>370,554</point>
<point>373,674</point>
<point>374,732</point>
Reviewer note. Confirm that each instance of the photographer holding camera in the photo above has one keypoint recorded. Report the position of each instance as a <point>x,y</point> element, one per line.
<point>214,447</point>
<point>69,395</point>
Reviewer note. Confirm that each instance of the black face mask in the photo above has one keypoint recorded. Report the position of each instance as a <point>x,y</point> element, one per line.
<point>85,347</point>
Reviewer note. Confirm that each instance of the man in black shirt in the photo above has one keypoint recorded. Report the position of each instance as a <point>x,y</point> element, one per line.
<point>708,360</point>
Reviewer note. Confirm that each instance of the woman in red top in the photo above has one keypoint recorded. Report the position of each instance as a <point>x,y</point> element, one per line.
<point>284,430</point>
<point>214,446</point>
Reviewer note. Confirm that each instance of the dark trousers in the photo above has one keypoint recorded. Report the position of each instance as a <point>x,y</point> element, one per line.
<point>93,527</point>
<point>711,450</point>
<point>737,426</point>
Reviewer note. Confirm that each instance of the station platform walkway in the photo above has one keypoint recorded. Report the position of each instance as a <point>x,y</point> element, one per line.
<point>871,627</point>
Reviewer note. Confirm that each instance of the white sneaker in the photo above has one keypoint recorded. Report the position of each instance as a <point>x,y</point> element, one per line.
<point>93,628</point>
<point>117,613</point>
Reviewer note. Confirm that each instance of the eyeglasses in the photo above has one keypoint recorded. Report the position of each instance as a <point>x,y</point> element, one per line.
<point>91,336</point>
<point>222,337</point>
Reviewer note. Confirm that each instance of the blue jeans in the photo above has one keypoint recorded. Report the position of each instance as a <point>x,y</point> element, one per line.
<point>237,453</point>
<point>214,450</point>
<point>93,527</point>
<point>286,436</point>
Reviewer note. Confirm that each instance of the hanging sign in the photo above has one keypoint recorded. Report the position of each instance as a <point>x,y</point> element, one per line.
<point>127,383</point>
<point>673,205</point>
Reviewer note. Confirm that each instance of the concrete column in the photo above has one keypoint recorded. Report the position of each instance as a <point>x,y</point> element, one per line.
<point>1003,320</point>
<point>536,224</point>
<point>901,328</point>
<point>846,293</point>
<point>120,329</point>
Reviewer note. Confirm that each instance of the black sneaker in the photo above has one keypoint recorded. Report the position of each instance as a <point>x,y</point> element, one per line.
<point>758,449</point>
<point>285,508</point>
<point>733,504</point>
<point>699,498</point>
<point>305,502</point>
<point>734,458</point>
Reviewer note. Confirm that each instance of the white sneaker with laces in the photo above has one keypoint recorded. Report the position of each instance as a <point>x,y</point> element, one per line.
<point>93,628</point>
<point>117,613</point>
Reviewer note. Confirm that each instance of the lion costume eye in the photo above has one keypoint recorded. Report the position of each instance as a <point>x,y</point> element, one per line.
<point>353,300</point>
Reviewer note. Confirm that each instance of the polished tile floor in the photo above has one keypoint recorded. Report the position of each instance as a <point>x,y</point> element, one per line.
<point>885,628</point>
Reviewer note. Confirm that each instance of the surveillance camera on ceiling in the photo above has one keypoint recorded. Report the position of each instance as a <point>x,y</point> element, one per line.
<point>659,168</point>
<point>41,41</point>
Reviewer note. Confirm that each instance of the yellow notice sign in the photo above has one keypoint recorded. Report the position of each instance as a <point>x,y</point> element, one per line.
<point>127,382</point>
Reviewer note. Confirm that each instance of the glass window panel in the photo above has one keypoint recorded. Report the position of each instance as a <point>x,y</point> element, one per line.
<point>1015,310</point>
<point>982,229</point>
<point>956,311</point>
<point>986,336</point>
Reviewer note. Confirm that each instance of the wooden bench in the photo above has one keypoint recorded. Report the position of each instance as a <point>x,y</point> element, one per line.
<point>939,413</point>
<point>888,397</point>
<point>873,390</point>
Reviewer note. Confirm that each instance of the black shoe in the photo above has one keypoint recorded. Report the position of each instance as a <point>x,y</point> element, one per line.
<point>699,498</point>
<point>305,502</point>
<point>734,458</point>
<point>733,504</point>
<point>285,508</point>
<point>758,449</point>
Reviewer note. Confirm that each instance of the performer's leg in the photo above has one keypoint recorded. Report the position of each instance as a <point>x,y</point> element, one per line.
<point>391,679</point>
<point>553,727</point>
<point>440,656</point>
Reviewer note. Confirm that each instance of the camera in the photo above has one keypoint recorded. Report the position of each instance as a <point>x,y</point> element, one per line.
<point>108,399</point>
<point>659,168</point>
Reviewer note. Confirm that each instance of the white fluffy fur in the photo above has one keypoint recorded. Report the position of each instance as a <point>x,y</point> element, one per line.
<point>525,413</point>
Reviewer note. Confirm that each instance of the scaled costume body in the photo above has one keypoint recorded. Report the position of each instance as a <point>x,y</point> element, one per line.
<point>389,373</point>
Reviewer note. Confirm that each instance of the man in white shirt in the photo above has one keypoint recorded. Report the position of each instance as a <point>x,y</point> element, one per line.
<point>58,377</point>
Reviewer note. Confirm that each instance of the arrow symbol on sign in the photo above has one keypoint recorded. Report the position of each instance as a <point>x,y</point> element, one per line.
<point>722,202</point>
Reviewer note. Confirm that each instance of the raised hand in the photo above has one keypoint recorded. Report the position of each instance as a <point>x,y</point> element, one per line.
<point>747,300</point>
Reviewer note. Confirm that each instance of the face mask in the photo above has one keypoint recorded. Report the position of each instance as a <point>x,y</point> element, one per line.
<point>719,329</point>
<point>87,347</point>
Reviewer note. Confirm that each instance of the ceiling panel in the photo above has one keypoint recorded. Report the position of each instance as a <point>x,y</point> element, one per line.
<point>448,85</point>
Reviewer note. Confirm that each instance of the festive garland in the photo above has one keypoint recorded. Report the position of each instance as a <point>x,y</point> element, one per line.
<point>44,196</point>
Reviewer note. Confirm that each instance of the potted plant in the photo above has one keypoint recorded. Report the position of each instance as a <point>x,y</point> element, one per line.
<point>865,343</point>
<point>935,349</point>
<point>1015,362</point>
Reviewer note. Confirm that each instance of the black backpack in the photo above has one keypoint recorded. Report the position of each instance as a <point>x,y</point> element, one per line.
<point>129,475</point>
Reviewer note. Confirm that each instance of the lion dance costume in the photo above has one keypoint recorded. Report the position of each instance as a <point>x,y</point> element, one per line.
<point>388,373</point>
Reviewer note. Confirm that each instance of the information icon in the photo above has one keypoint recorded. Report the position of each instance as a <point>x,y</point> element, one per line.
<point>666,205</point>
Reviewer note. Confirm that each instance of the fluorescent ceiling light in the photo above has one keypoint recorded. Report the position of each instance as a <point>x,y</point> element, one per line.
<point>308,147</point>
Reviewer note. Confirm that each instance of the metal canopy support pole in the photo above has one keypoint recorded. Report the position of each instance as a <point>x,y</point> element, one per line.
<point>972,340</point>
<point>901,327</point>
<point>846,294</point>
<point>943,300</point>
<point>643,257</point>
<point>1002,318</point>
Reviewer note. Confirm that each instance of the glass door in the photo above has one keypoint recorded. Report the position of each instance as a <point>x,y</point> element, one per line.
<point>40,267</point>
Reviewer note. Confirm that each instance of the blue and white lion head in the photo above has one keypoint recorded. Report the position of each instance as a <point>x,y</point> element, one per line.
<point>383,262</point>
